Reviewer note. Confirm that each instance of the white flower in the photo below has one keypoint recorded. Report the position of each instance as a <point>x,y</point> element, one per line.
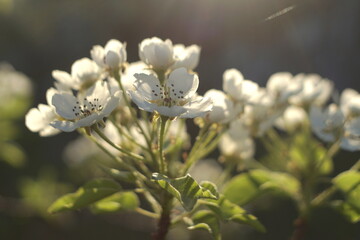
<point>292,118</point>
<point>39,119</point>
<point>237,142</point>
<point>175,98</point>
<point>238,88</point>
<point>223,109</point>
<point>282,86</point>
<point>351,140</point>
<point>346,101</point>
<point>315,91</point>
<point>128,79</point>
<point>327,124</point>
<point>84,112</point>
<point>113,55</point>
<point>157,53</point>
<point>84,73</point>
<point>187,57</point>
<point>261,112</point>
<point>13,84</point>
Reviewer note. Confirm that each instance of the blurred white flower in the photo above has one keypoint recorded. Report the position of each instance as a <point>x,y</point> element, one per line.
<point>292,118</point>
<point>315,90</point>
<point>13,84</point>
<point>238,88</point>
<point>84,73</point>
<point>223,109</point>
<point>346,100</point>
<point>327,124</point>
<point>351,140</point>
<point>260,112</point>
<point>112,56</point>
<point>187,57</point>
<point>282,86</point>
<point>175,98</point>
<point>157,53</point>
<point>237,142</point>
<point>80,112</point>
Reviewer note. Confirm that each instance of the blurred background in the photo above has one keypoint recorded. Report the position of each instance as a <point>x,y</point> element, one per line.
<point>258,37</point>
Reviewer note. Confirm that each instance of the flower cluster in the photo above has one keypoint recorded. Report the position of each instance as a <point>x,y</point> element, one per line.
<point>135,113</point>
<point>163,83</point>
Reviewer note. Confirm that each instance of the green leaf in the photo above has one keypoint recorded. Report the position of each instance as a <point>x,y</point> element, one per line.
<point>185,189</point>
<point>119,201</point>
<point>352,214</point>
<point>229,211</point>
<point>349,183</point>
<point>246,186</point>
<point>91,192</point>
<point>211,187</point>
<point>207,220</point>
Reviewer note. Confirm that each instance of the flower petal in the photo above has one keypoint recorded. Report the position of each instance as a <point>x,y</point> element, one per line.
<point>182,83</point>
<point>65,126</point>
<point>63,77</point>
<point>198,108</point>
<point>148,86</point>
<point>64,104</point>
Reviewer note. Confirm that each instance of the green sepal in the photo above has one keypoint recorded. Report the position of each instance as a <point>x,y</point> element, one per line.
<point>91,192</point>
<point>185,189</point>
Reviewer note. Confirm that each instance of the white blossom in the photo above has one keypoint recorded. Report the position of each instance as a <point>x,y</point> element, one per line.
<point>84,73</point>
<point>261,112</point>
<point>327,124</point>
<point>113,55</point>
<point>39,119</point>
<point>238,88</point>
<point>346,98</point>
<point>292,118</point>
<point>351,140</point>
<point>78,112</point>
<point>13,84</point>
<point>282,86</point>
<point>176,97</point>
<point>237,141</point>
<point>128,79</point>
<point>187,57</point>
<point>223,109</point>
<point>157,53</point>
<point>315,90</point>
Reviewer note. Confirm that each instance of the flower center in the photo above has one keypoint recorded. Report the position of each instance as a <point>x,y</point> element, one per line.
<point>86,108</point>
<point>168,96</point>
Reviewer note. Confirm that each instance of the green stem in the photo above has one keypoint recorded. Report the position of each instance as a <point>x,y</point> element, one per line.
<point>199,139</point>
<point>124,151</point>
<point>133,114</point>
<point>126,135</point>
<point>146,213</point>
<point>162,163</point>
